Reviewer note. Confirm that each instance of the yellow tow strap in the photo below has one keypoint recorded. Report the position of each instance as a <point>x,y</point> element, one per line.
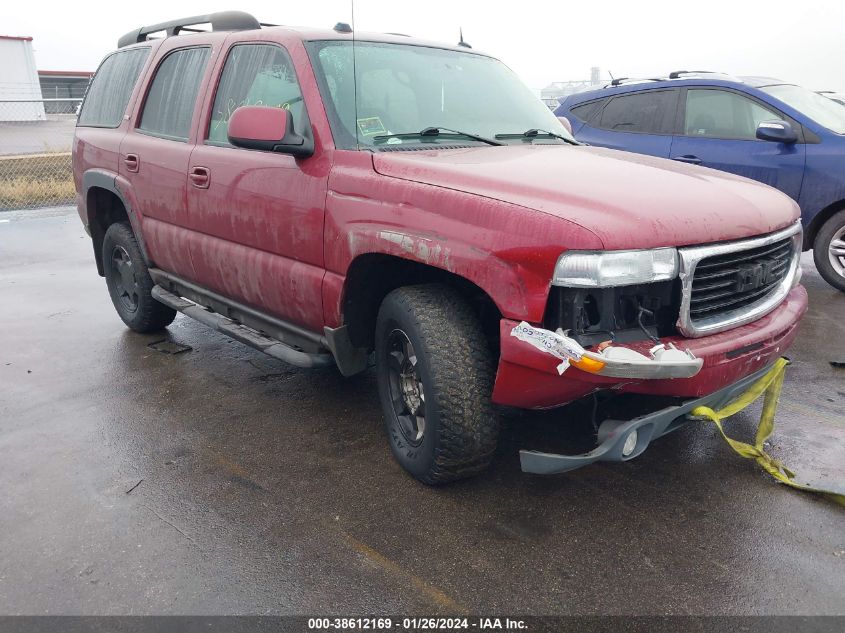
<point>770,385</point>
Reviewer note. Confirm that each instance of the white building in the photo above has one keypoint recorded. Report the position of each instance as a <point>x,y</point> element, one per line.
<point>20,91</point>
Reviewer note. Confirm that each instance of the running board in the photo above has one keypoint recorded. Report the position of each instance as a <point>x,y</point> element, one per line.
<point>242,333</point>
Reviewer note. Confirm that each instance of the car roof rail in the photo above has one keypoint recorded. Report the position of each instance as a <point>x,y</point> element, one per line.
<point>220,21</point>
<point>703,74</point>
<point>677,74</point>
<point>619,81</point>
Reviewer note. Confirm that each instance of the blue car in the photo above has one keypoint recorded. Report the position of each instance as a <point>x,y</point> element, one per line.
<point>780,134</point>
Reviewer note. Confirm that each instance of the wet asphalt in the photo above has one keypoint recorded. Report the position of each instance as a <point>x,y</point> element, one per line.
<point>221,481</point>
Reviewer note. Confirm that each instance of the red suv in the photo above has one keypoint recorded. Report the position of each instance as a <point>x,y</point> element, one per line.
<point>326,199</point>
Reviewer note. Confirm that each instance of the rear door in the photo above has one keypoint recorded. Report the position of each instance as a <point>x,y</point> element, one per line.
<point>155,153</point>
<point>639,122</point>
<point>257,216</point>
<point>718,129</point>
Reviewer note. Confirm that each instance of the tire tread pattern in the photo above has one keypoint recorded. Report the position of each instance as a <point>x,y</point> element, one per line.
<point>462,370</point>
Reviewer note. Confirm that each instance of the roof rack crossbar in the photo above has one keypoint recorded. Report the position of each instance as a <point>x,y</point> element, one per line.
<point>676,74</point>
<point>622,80</point>
<point>220,21</point>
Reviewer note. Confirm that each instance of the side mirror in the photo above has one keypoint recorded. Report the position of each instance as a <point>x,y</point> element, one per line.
<point>565,123</point>
<point>776,131</point>
<point>268,129</point>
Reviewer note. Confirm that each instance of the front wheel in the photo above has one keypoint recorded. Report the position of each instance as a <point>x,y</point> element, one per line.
<point>435,379</point>
<point>829,250</point>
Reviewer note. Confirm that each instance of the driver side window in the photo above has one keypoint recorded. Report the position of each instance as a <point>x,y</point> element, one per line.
<point>254,74</point>
<point>722,114</point>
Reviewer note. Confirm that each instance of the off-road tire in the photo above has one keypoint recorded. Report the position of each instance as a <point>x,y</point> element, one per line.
<point>456,369</point>
<point>821,247</point>
<point>149,315</point>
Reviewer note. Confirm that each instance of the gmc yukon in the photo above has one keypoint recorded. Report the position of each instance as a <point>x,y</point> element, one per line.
<point>335,198</point>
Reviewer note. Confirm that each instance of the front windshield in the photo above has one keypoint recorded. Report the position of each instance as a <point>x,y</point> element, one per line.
<point>824,111</point>
<point>403,89</point>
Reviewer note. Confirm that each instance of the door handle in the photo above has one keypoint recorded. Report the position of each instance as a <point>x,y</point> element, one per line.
<point>200,177</point>
<point>688,158</point>
<point>132,162</point>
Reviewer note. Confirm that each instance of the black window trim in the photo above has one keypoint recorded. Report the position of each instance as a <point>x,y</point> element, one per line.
<point>148,87</point>
<point>134,86</point>
<point>219,76</point>
<point>680,123</point>
<point>630,94</point>
<point>595,112</point>
<point>346,140</point>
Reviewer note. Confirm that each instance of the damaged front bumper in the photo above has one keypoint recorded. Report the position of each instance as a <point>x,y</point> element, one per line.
<point>620,441</point>
<point>662,361</point>
<point>529,378</point>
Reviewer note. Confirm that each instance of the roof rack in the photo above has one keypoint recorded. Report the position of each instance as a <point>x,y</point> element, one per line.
<point>221,21</point>
<point>676,74</point>
<point>625,80</point>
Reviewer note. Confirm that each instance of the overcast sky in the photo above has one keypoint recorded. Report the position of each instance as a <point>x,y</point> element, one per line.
<point>800,42</point>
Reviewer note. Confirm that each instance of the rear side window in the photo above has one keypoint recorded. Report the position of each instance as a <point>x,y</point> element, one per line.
<point>649,112</point>
<point>109,92</point>
<point>254,74</point>
<point>723,114</point>
<point>170,102</point>
<point>585,111</point>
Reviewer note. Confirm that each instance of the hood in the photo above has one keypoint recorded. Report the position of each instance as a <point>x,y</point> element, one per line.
<point>628,200</point>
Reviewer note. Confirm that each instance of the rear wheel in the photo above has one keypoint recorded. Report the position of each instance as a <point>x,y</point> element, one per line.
<point>129,282</point>
<point>829,250</point>
<point>435,378</point>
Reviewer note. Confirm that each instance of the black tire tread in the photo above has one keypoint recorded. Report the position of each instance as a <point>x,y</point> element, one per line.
<point>151,315</point>
<point>463,371</point>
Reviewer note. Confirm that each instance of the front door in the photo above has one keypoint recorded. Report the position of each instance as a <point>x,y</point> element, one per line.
<point>720,131</point>
<point>256,216</point>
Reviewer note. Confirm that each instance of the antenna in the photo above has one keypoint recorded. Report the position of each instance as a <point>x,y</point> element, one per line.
<point>462,43</point>
<point>612,78</point>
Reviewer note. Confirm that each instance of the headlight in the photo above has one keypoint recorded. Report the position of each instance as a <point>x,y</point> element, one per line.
<point>599,269</point>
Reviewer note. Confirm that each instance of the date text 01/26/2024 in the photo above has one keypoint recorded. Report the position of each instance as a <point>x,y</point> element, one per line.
<point>415,624</point>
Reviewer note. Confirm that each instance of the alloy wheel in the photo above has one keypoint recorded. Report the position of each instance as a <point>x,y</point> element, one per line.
<point>125,283</point>
<point>836,251</point>
<point>406,388</point>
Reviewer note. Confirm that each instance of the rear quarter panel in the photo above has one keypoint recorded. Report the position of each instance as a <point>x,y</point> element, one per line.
<point>93,148</point>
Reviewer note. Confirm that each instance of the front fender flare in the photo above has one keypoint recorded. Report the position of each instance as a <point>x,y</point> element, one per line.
<point>516,291</point>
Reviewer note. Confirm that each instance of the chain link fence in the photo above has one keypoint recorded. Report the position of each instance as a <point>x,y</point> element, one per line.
<point>35,143</point>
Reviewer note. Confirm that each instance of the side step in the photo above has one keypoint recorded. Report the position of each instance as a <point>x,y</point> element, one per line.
<point>242,333</point>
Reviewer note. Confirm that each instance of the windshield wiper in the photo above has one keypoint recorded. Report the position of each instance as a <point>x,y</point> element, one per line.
<point>535,132</point>
<point>435,131</point>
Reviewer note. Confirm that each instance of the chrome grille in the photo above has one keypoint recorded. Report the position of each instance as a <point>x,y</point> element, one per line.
<point>725,282</point>
<point>730,284</point>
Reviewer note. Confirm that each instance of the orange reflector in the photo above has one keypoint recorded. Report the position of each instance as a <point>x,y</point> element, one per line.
<point>588,365</point>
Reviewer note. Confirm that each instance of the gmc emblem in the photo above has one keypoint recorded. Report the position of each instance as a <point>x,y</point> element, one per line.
<point>754,275</point>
